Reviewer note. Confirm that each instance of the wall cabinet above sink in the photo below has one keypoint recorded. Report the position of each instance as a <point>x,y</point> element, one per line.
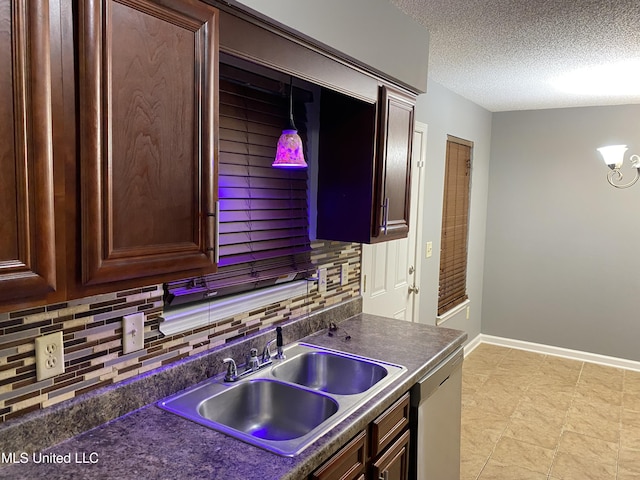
<point>365,167</point>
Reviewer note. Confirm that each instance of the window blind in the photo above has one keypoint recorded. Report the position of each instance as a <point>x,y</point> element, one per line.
<point>455,225</point>
<point>263,227</point>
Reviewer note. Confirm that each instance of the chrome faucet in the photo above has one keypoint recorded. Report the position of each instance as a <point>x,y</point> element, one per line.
<point>232,370</point>
<point>254,363</point>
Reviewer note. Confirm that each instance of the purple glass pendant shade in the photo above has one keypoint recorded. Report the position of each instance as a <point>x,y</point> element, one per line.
<point>289,153</point>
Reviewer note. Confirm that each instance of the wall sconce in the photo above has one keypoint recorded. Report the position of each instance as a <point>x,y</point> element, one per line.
<point>613,156</point>
<point>289,152</point>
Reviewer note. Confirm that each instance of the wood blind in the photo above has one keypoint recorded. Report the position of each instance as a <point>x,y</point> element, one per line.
<point>263,228</point>
<point>455,225</point>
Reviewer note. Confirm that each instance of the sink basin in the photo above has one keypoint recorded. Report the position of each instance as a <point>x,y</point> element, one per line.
<point>330,372</point>
<point>286,406</point>
<point>269,410</point>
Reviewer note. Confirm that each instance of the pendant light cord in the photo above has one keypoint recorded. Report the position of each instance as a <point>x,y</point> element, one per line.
<point>293,125</point>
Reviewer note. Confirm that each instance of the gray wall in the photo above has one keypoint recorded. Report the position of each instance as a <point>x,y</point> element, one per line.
<point>561,263</point>
<point>446,113</point>
<point>373,32</point>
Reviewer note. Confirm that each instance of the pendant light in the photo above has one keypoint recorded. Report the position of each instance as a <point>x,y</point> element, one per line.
<point>289,153</point>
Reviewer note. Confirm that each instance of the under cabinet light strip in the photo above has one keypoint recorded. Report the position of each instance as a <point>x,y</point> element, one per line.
<point>191,317</point>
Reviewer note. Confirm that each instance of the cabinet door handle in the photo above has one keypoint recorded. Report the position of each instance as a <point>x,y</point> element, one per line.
<point>385,218</point>
<point>214,250</point>
<point>384,475</point>
<point>217,233</point>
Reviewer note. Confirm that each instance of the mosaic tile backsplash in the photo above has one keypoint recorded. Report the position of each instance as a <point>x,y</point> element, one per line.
<point>92,332</point>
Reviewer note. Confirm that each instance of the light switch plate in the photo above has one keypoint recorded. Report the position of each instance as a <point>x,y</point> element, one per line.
<point>49,356</point>
<point>322,280</point>
<point>132,333</point>
<point>344,274</point>
<point>429,251</point>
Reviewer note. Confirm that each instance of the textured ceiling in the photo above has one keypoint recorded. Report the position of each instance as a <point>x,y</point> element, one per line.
<point>509,54</point>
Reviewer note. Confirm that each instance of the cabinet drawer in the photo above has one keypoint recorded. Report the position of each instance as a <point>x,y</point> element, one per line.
<point>389,425</point>
<point>394,463</point>
<point>347,464</point>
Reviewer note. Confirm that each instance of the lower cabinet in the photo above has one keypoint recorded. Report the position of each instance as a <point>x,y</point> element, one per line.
<point>381,452</point>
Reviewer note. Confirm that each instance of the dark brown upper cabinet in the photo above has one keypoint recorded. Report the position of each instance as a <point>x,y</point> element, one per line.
<point>364,174</point>
<point>148,93</point>
<point>27,226</point>
<point>393,164</point>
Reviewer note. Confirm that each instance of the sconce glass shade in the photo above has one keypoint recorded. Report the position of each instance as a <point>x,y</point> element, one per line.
<point>289,153</point>
<point>613,155</point>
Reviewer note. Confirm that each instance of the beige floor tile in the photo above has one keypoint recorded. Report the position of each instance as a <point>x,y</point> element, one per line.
<point>629,461</point>
<point>631,381</point>
<point>589,448</point>
<point>550,383</point>
<point>480,428</point>
<point>631,401</point>
<point>558,396</point>
<point>571,467</point>
<point>559,366</point>
<point>544,409</point>
<point>626,476</point>
<point>471,464</point>
<point>630,430</point>
<point>630,439</point>
<point>498,384</point>
<point>599,393</point>
<point>594,419</point>
<point>509,451</point>
<point>593,374</point>
<point>521,362</point>
<point>488,349</point>
<point>471,381</point>
<point>495,471</point>
<point>544,435</point>
<point>496,401</point>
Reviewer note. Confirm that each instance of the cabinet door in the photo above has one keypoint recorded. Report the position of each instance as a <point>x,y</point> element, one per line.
<point>148,137</point>
<point>393,166</point>
<point>347,464</point>
<point>27,230</point>
<point>394,463</point>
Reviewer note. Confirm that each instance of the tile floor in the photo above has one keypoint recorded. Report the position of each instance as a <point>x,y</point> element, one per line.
<point>529,416</point>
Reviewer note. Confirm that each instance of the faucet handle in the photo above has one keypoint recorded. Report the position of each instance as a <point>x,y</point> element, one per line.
<point>266,353</point>
<point>252,361</point>
<point>232,370</point>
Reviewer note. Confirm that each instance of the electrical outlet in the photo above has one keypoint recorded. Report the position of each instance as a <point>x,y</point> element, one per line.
<point>344,274</point>
<point>49,356</point>
<point>429,249</point>
<point>132,333</point>
<point>322,280</point>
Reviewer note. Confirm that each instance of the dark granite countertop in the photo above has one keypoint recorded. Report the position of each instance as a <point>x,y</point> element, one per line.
<point>150,443</point>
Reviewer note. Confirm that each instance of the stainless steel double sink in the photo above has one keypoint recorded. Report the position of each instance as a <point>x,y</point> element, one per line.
<point>289,404</point>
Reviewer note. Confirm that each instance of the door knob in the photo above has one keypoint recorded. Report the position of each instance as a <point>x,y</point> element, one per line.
<point>414,289</point>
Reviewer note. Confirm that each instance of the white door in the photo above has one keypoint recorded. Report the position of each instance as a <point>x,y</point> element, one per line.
<point>391,270</point>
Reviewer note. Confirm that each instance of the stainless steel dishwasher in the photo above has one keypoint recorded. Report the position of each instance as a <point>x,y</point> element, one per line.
<point>435,416</point>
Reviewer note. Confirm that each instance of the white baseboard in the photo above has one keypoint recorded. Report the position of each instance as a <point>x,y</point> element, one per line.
<point>551,350</point>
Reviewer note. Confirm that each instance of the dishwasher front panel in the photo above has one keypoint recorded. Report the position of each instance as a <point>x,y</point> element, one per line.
<point>436,411</point>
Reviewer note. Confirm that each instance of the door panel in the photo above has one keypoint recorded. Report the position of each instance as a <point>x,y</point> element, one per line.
<point>27,227</point>
<point>148,87</point>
